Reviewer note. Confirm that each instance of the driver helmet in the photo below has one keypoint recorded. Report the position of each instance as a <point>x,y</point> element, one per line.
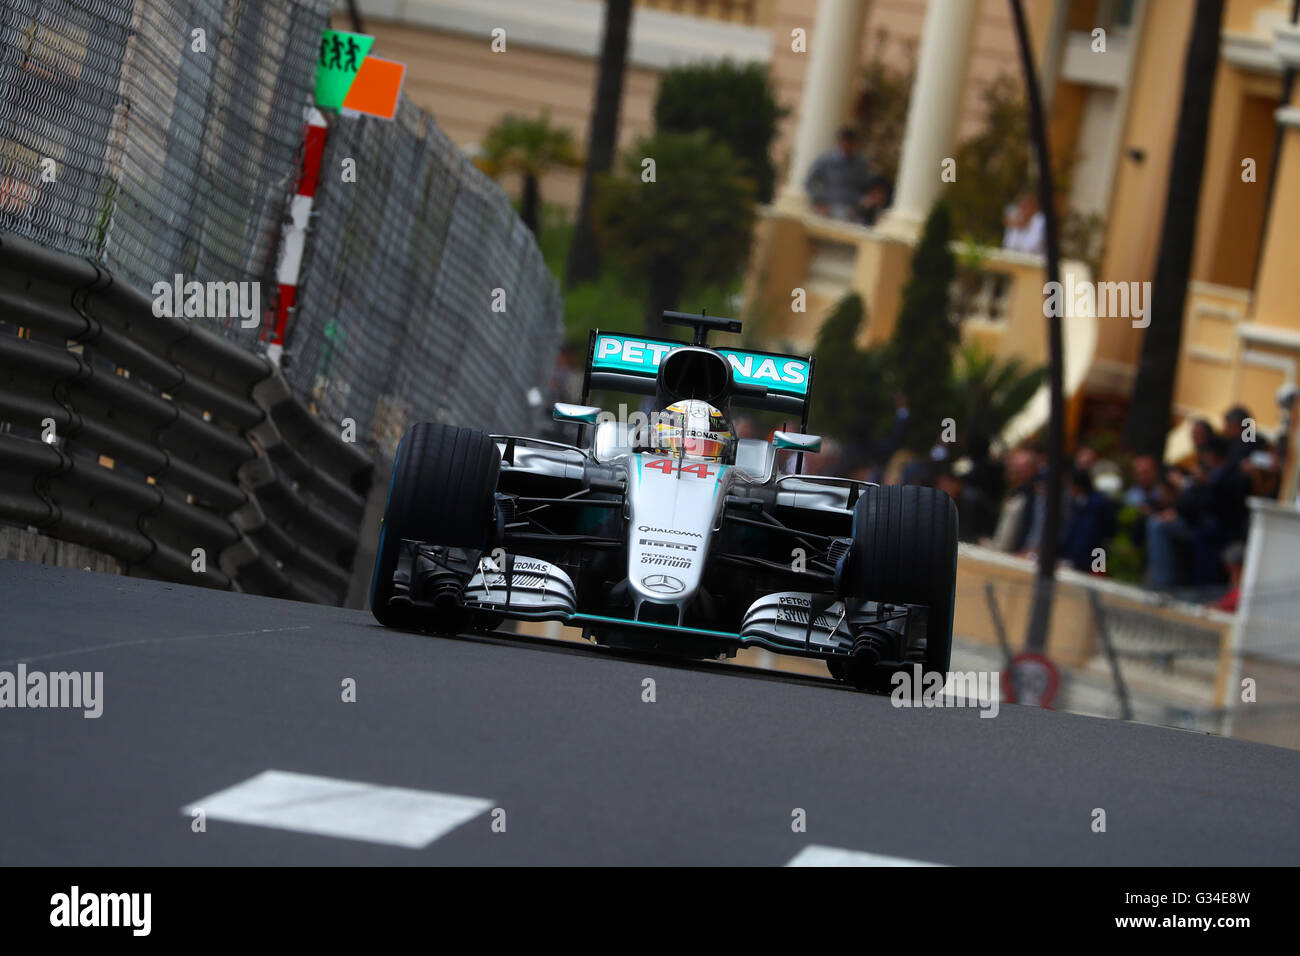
<point>695,429</point>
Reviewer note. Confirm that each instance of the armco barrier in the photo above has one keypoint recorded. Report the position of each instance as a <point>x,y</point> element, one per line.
<point>146,437</point>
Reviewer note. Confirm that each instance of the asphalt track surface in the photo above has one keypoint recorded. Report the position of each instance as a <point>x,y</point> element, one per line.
<point>205,689</point>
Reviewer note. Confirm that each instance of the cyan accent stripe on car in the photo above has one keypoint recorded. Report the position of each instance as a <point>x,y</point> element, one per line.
<point>651,625</point>
<point>383,525</point>
<point>641,356</point>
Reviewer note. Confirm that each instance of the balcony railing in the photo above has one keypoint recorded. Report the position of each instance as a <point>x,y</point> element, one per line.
<point>982,296</point>
<point>998,296</point>
<point>754,13</point>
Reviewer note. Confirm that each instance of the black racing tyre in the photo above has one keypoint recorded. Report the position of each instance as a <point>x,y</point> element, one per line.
<point>444,480</point>
<point>905,552</point>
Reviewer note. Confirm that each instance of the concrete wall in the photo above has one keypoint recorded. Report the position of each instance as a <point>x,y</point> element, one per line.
<point>18,544</point>
<point>1266,634</point>
<point>1196,639</point>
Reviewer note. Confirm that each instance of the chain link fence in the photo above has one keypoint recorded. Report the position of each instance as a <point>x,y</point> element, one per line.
<point>60,75</point>
<point>423,295</point>
<point>156,137</point>
<point>163,138</point>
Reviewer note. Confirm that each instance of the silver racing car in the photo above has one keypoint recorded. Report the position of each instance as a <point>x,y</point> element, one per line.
<point>669,534</point>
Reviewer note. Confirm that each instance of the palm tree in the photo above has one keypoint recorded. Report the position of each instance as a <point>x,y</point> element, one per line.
<point>1153,392</point>
<point>529,147</point>
<point>584,259</point>
<point>988,392</point>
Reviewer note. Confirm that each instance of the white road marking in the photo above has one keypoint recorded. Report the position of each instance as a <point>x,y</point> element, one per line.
<point>814,855</point>
<point>151,640</point>
<point>305,803</point>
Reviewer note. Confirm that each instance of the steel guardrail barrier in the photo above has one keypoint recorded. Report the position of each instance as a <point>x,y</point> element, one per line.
<point>161,444</point>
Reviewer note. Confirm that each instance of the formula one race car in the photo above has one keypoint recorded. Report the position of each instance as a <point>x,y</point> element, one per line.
<point>669,534</point>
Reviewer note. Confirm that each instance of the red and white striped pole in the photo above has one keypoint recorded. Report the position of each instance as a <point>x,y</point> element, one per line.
<point>294,237</point>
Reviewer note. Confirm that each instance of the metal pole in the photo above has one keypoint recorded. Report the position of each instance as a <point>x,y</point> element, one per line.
<point>1045,578</point>
<point>995,612</point>
<point>1125,709</point>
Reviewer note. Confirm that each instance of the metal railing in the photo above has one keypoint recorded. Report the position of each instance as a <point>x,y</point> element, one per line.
<point>159,443</point>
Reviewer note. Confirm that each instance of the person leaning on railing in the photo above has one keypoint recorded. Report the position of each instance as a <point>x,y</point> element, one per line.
<point>839,179</point>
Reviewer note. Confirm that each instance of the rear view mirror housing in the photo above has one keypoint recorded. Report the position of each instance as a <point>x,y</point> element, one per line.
<point>576,414</point>
<point>795,441</point>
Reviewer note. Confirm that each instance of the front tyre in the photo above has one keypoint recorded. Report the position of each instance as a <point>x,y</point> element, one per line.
<point>905,552</point>
<point>444,480</point>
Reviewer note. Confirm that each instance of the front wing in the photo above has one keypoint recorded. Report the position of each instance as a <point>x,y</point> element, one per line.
<point>789,622</point>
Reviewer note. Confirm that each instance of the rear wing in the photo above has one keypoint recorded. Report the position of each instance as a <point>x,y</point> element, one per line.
<point>630,363</point>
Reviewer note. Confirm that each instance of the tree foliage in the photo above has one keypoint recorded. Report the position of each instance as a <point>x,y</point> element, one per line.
<point>734,102</point>
<point>529,147</point>
<point>923,359</point>
<point>849,389</point>
<point>920,352</point>
<point>881,107</point>
<point>996,164</point>
<point>689,226</point>
<point>993,165</point>
<point>989,392</point>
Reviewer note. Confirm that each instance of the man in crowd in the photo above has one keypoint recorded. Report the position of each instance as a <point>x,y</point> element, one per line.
<point>986,472</point>
<point>976,518</point>
<point>893,441</point>
<point>1220,495</point>
<point>1014,533</point>
<point>1090,521</point>
<point>1202,432</point>
<point>1025,226</point>
<point>1234,430</point>
<point>838,180</point>
<point>1208,516</point>
<point>1149,494</point>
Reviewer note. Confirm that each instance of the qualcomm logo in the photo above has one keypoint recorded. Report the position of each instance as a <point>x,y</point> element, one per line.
<point>686,534</point>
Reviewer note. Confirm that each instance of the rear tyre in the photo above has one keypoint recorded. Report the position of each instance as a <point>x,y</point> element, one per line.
<point>444,480</point>
<point>905,552</point>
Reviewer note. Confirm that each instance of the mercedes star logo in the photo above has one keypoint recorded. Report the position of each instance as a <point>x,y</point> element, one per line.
<point>663,583</point>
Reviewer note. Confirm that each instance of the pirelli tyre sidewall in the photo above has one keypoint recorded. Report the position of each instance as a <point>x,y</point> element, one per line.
<point>444,479</point>
<point>905,552</point>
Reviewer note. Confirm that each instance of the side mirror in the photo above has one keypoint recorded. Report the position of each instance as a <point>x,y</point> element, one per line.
<point>794,441</point>
<point>576,414</point>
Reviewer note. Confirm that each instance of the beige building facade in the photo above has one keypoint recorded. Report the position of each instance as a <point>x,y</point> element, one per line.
<point>471,62</point>
<point>1115,110</point>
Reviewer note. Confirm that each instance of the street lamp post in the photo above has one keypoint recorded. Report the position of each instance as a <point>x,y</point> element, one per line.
<point>1045,577</point>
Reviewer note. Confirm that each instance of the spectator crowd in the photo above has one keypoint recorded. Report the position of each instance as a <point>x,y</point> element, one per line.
<point>1178,527</point>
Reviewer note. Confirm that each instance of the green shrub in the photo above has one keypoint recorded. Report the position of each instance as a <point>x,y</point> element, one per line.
<point>920,352</point>
<point>688,227</point>
<point>734,102</point>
